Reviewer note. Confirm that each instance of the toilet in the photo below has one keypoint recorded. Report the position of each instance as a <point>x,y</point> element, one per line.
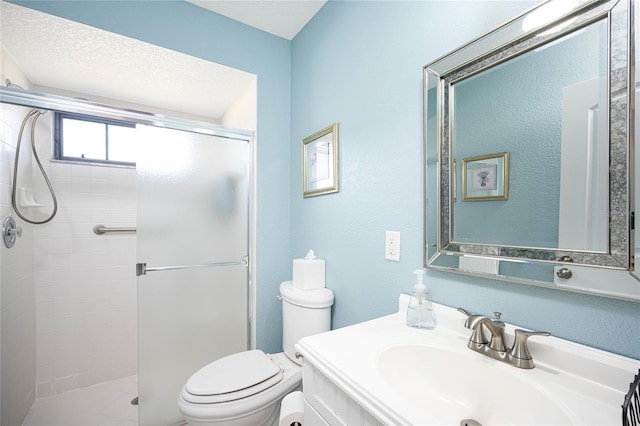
<point>246,388</point>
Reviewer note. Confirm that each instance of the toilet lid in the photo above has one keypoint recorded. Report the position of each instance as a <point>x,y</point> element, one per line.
<point>233,377</point>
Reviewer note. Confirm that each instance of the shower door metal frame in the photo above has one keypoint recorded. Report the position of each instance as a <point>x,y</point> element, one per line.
<point>26,98</point>
<point>15,96</point>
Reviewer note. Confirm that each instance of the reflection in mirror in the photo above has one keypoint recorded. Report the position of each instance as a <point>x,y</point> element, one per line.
<point>548,104</point>
<point>525,98</point>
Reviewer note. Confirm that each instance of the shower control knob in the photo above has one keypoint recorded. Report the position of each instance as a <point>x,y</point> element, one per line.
<point>17,232</point>
<point>10,231</point>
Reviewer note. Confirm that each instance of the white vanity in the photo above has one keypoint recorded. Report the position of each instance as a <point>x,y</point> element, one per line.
<point>382,372</point>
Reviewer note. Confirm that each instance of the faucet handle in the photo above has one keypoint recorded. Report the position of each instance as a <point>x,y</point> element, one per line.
<point>520,351</point>
<point>473,323</point>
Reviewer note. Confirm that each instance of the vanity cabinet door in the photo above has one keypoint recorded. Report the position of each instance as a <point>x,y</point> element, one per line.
<point>327,404</point>
<point>311,416</point>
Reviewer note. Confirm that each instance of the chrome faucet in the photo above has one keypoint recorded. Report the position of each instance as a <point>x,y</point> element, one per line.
<point>518,355</point>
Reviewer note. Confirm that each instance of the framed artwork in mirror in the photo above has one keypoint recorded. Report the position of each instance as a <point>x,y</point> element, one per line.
<point>485,178</point>
<point>320,162</point>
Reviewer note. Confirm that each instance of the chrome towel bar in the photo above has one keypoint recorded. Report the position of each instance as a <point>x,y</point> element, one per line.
<point>101,229</point>
<point>142,268</point>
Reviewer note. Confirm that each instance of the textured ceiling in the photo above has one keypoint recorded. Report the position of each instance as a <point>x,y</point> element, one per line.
<point>63,54</point>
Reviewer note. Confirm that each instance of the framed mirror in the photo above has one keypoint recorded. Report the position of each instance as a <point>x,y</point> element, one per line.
<point>528,133</point>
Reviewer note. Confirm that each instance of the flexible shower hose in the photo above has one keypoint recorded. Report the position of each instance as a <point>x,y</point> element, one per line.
<point>37,113</point>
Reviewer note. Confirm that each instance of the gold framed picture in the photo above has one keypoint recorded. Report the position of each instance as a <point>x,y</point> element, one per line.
<point>486,178</point>
<point>320,162</point>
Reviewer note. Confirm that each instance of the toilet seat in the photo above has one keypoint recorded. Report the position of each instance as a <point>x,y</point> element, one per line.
<point>233,377</point>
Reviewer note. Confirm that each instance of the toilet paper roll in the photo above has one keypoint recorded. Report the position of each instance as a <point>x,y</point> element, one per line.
<point>292,409</point>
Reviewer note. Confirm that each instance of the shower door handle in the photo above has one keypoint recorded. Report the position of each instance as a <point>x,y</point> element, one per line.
<point>142,268</point>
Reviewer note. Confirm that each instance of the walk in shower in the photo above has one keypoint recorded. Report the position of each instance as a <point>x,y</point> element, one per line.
<point>95,321</point>
<point>73,312</point>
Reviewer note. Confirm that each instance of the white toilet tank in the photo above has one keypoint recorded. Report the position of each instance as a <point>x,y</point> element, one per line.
<point>304,313</point>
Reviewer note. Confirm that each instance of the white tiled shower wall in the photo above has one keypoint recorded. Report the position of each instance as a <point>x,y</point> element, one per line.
<point>17,308</point>
<point>85,284</point>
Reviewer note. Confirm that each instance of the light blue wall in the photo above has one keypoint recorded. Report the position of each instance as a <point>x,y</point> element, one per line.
<point>360,63</point>
<point>186,28</point>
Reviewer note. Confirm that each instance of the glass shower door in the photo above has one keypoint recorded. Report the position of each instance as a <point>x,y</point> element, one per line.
<point>193,252</point>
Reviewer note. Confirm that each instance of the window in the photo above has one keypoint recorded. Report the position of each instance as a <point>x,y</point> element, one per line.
<point>94,139</point>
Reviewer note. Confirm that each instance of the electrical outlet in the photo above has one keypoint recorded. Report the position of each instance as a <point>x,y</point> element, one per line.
<point>392,246</point>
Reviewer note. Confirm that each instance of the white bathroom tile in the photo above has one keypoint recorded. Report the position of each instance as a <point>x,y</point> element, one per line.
<point>123,300</point>
<point>123,286</point>
<point>52,262</point>
<point>81,380</point>
<point>45,311</point>
<point>123,243</point>
<point>100,186</point>
<point>43,390</point>
<point>63,368</point>
<point>46,343</point>
<point>83,351</point>
<point>63,292</point>
<point>96,318</point>
<point>85,288</point>
<point>55,277</point>
<point>45,294</point>
<point>60,182</point>
<point>45,372</point>
<point>63,384</point>
<point>83,215</point>
<point>59,169</point>
<point>44,357</point>
<point>128,314</point>
<point>115,272</point>
<point>5,192</point>
<point>82,230</point>
<point>80,184</point>
<point>48,231</point>
<point>92,245</point>
<point>63,339</point>
<point>85,335</point>
<point>100,172</point>
<point>63,308</point>
<point>83,200</point>
<point>63,215</point>
<point>77,272</point>
<point>123,186</point>
<point>118,216</point>
<point>125,201</point>
<point>80,170</point>
<point>52,325</point>
<point>53,246</point>
<point>117,259</point>
<point>63,355</point>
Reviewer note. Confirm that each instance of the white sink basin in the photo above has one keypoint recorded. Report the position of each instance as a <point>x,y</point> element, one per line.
<point>397,375</point>
<point>470,387</point>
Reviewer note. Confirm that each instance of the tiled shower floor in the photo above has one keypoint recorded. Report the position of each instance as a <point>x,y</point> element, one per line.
<point>104,404</point>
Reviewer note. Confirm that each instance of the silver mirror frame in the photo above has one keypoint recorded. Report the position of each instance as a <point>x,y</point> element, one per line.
<point>525,264</point>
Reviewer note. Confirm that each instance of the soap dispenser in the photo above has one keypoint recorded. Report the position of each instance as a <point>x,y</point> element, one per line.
<point>420,309</point>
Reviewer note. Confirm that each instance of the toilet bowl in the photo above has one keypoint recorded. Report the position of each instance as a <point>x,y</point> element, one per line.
<point>250,405</point>
<point>246,388</point>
